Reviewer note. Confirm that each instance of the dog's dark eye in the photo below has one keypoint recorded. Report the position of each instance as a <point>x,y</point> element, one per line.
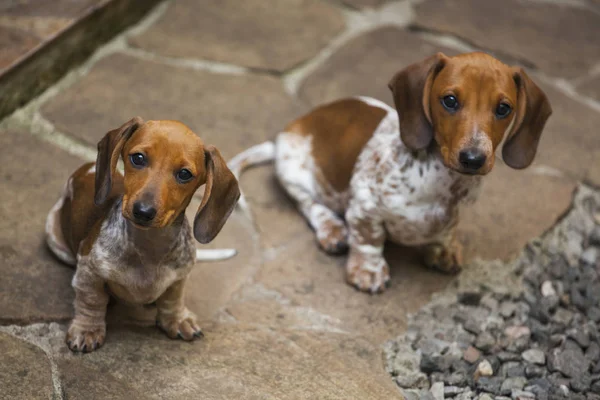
<point>450,103</point>
<point>503,110</point>
<point>184,175</point>
<point>138,159</point>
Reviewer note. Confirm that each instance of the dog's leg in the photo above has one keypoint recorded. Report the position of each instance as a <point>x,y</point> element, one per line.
<point>173,316</point>
<point>295,170</point>
<point>88,328</point>
<point>366,268</point>
<point>446,254</point>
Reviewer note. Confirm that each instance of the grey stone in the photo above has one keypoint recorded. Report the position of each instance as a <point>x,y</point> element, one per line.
<point>485,341</point>
<point>593,352</point>
<point>593,313</point>
<point>413,380</point>
<point>508,309</point>
<point>581,383</point>
<point>562,316</point>
<point>490,302</point>
<point>489,384</point>
<point>451,391</point>
<point>522,395</point>
<point>534,371</point>
<point>590,256</point>
<point>570,362</point>
<point>505,356</point>
<point>534,356</point>
<point>514,383</point>
<point>437,390</point>
<point>580,336</point>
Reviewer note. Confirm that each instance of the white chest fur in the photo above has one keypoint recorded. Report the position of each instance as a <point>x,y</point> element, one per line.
<point>415,195</point>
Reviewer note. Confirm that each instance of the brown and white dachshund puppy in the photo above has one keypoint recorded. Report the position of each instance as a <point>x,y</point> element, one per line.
<point>362,172</point>
<point>128,235</point>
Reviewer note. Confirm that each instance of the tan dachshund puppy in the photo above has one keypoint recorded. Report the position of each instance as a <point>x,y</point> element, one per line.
<point>362,172</point>
<point>128,235</point>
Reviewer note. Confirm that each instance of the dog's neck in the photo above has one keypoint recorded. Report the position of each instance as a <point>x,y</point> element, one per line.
<point>152,245</point>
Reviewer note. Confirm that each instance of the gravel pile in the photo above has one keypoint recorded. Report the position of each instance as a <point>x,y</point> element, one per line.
<point>540,341</point>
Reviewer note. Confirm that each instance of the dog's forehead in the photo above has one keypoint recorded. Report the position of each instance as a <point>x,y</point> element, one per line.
<point>171,133</point>
<point>478,70</point>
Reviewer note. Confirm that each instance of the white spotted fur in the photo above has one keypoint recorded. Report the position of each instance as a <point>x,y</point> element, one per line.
<point>405,197</point>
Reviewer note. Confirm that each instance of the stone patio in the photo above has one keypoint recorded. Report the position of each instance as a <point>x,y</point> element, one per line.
<point>279,320</point>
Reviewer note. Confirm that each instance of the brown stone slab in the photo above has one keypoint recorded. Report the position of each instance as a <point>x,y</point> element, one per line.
<point>24,370</point>
<point>513,208</point>
<point>230,111</point>
<point>232,361</point>
<point>570,140</point>
<point>34,286</point>
<point>362,4</point>
<point>551,36</point>
<point>252,33</point>
<point>590,88</point>
<point>44,39</point>
<point>313,284</point>
<point>365,65</point>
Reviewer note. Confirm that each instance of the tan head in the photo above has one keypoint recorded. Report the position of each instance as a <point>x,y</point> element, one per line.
<point>165,163</point>
<point>467,104</point>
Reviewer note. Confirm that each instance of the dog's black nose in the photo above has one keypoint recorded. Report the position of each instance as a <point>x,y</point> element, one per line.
<point>144,212</point>
<point>472,159</point>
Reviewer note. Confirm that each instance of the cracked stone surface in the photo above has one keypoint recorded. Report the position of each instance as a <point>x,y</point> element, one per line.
<point>34,286</point>
<point>255,34</point>
<point>365,65</point>
<point>528,30</point>
<point>591,88</point>
<point>280,322</point>
<point>232,112</point>
<point>24,370</point>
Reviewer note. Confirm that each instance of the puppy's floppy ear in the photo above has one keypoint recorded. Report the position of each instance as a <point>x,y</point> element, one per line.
<point>533,110</point>
<point>109,149</point>
<point>220,197</point>
<point>411,89</point>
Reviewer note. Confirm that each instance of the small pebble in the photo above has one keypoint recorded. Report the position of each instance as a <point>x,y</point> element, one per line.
<point>437,390</point>
<point>484,368</point>
<point>471,355</point>
<point>534,356</point>
<point>515,332</point>
<point>548,289</point>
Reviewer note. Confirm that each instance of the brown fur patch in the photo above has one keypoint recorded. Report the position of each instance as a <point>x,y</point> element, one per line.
<point>339,132</point>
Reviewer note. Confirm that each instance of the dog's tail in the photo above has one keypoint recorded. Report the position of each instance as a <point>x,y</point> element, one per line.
<point>255,155</point>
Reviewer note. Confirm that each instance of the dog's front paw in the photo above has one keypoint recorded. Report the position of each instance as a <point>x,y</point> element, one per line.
<point>180,325</point>
<point>445,259</point>
<point>85,340</point>
<point>368,273</point>
<point>332,236</point>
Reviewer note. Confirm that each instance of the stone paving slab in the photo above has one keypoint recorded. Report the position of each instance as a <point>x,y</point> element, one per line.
<point>269,364</point>
<point>570,138</point>
<point>590,88</point>
<point>364,4</point>
<point>230,111</point>
<point>34,286</point>
<point>513,208</point>
<point>365,65</point>
<point>551,36</point>
<point>44,39</point>
<point>24,370</point>
<point>26,24</point>
<point>253,33</point>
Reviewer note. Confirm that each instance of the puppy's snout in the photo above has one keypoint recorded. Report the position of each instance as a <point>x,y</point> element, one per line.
<point>472,159</point>
<point>143,212</point>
